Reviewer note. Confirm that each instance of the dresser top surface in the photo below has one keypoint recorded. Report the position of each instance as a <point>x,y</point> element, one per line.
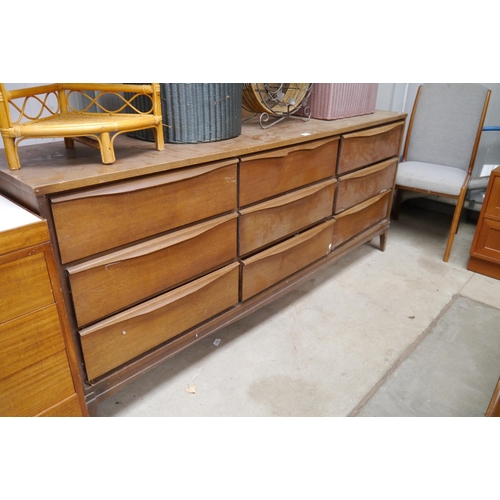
<point>50,168</point>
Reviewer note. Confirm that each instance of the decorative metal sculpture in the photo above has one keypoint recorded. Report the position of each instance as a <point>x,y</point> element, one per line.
<point>277,100</point>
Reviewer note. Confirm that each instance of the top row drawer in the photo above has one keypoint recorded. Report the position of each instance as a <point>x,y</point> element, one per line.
<point>370,146</point>
<point>98,219</point>
<point>264,175</point>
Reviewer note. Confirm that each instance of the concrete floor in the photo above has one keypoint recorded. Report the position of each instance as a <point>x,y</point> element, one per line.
<point>394,333</point>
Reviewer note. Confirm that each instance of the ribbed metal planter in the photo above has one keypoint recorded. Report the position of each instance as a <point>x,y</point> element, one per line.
<point>198,112</point>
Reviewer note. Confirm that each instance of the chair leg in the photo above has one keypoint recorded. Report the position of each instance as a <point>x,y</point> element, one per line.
<point>69,142</point>
<point>397,204</point>
<point>454,224</point>
<point>11,153</point>
<point>107,152</point>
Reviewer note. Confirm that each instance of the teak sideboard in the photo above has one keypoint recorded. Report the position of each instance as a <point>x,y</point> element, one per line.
<point>39,373</point>
<point>485,249</point>
<point>163,248</point>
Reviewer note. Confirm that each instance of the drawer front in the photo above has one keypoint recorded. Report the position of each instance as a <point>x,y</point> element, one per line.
<point>99,219</point>
<point>359,186</point>
<point>361,217</point>
<point>28,339</point>
<point>69,407</point>
<point>488,240</point>
<point>105,285</point>
<point>112,342</point>
<point>369,146</point>
<point>265,175</point>
<point>24,286</point>
<point>28,392</point>
<point>273,220</point>
<point>493,204</point>
<point>275,264</point>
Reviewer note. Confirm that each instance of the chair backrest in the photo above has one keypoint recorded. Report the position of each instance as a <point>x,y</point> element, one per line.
<point>446,124</point>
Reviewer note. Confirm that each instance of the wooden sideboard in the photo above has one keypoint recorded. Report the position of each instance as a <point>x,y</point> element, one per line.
<point>39,375</point>
<point>163,248</point>
<point>485,249</point>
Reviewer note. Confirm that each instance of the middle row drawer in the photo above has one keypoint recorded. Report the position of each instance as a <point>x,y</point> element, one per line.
<point>273,220</point>
<point>107,284</point>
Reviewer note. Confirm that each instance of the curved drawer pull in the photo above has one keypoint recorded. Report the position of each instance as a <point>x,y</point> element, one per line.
<point>362,206</point>
<point>290,243</point>
<point>161,301</point>
<point>288,198</point>
<point>281,153</point>
<point>374,131</point>
<point>151,246</point>
<point>368,170</point>
<point>141,184</point>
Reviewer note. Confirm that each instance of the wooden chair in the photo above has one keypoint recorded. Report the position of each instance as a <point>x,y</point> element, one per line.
<point>85,112</point>
<point>441,144</point>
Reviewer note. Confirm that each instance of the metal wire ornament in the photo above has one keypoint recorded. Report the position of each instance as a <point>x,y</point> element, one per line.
<point>277,100</point>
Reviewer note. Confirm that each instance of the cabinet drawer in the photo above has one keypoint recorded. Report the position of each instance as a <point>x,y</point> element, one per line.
<point>272,220</point>
<point>98,219</point>
<point>369,146</point>
<point>363,184</point>
<point>488,240</point>
<point>28,339</point>
<point>282,260</point>
<point>31,390</point>
<point>107,284</point>
<point>265,175</point>
<point>24,286</point>
<point>69,407</point>
<point>360,217</point>
<point>122,337</point>
<point>493,203</point>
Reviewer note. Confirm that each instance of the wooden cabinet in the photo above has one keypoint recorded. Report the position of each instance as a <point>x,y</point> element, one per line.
<point>485,249</point>
<point>38,373</point>
<point>161,249</point>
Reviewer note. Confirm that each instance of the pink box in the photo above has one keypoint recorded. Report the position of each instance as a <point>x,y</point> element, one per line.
<point>331,101</point>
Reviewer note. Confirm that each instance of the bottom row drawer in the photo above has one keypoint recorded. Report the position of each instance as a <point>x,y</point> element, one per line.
<point>272,265</point>
<point>120,338</point>
<point>360,218</point>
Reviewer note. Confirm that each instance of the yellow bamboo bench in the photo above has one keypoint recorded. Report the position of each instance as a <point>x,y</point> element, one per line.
<point>49,111</point>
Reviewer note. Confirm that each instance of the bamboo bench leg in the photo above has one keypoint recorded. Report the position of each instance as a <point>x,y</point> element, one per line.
<point>159,140</point>
<point>107,152</point>
<point>11,153</point>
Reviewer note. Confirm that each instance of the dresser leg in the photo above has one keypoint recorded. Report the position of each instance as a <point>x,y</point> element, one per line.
<point>383,241</point>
